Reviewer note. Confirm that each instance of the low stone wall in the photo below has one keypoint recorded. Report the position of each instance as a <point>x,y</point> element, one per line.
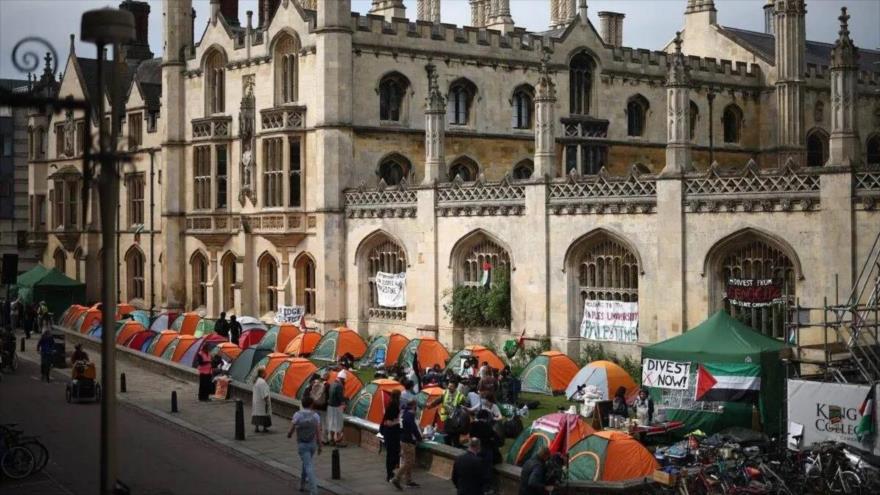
<point>436,459</point>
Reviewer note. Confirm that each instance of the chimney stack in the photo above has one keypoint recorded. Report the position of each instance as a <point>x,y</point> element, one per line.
<point>139,49</point>
<point>611,28</point>
<point>266,11</point>
<point>768,17</point>
<point>229,10</point>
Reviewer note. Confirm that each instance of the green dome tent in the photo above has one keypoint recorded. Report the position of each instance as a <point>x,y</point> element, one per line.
<point>724,345</point>
<point>57,289</point>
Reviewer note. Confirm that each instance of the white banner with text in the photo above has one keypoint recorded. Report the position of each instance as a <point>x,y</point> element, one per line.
<point>391,288</point>
<point>611,321</point>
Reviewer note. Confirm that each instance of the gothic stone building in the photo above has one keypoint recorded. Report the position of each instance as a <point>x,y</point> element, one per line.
<point>289,158</point>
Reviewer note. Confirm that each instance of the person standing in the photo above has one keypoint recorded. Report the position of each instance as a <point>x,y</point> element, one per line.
<point>335,406</point>
<point>203,365</point>
<point>221,326</point>
<point>307,426</point>
<point>533,477</point>
<point>618,404</point>
<point>644,407</point>
<point>319,391</point>
<point>234,330</point>
<point>261,403</point>
<point>408,393</point>
<point>15,313</point>
<point>43,315</point>
<point>482,428</point>
<point>390,430</point>
<point>409,437</point>
<point>468,471</point>
<point>46,348</point>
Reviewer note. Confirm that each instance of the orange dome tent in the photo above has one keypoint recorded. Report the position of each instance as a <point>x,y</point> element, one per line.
<point>303,344</point>
<point>227,351</point>
<point>427,416</point>
<point>289,376</point>
<point>610,456</point>
<point>128,330</point>
<point>369,403</point>
<point>353,384</point>
<point>161,341</point>
<point>73,313</point>
<point>605,376</point>
<point>270,363</point>
<point>542,433</point>
<point>548,373</point>
<point>87,319</point>
<point>383,350</point>
<point>186,323</point>
<point>183,344</point>
<point>430,352</point>
<point>337,343</point>
<point>482,354</point>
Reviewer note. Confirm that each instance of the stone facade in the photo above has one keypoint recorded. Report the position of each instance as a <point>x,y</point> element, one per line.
<point>292,160</point>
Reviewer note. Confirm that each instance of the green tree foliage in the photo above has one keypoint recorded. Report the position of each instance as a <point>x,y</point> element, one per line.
<point>480,306</point>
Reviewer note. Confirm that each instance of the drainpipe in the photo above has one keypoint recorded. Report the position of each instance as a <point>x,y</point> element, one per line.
<point>711,97</point>
<point>152,233</point>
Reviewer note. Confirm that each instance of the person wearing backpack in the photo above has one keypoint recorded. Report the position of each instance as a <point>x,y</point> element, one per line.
<point>318,391</point>
<point>307,426</point>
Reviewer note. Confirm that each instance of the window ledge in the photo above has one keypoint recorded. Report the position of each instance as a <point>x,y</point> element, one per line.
<point>392,123</point>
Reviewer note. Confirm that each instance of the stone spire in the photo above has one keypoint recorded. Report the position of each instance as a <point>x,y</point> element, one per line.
<point>545,139</point>
<point>499,16</point>
<point>700,12</point>
<point>700,6</point>
<point>428,10</point>
<point>435,132</point>
<point>388,9</point>
<point>791,41</point>
<point>678,99</point>
<point>563,12</point>
<point>844,143</point>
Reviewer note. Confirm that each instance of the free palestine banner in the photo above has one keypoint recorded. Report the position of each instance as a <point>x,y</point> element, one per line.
<point>728,382</point>
<point>391,288</point>
<point>610,321</point>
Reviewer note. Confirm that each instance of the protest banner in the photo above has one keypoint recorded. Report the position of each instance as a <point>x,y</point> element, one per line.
<point>610,321</point>
<point>660,373</point>
<point>753,293</point>
<point>289,314</point>
<point>391,288</point>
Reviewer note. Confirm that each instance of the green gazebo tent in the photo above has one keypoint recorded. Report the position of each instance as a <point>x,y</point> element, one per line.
<point>43,284</point>
<point>723,341</point>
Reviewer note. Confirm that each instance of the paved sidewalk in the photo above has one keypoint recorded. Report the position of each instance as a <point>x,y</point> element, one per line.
<point>363,472</point>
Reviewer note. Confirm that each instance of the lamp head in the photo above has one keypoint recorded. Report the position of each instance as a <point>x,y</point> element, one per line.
<point>107,26</point>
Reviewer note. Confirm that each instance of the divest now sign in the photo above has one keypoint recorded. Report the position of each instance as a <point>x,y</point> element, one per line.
<point>828,412</point>
<point>662,373</point>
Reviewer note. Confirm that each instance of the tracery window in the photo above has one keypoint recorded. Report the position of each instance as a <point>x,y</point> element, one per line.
<point>134,187</point>
<point>60,259</point>
<point>215,83</point>
<point>636,115</point>
<point>392,92</point>
<point>295,175</point>
<point>817,148</point>
<point>386,256</point>
<point>268,269</point>
<point>580,84</point>
<point>134,267</point>
<point>465,168</point>
<point>230,278</point>
<point>286,69</point>
<point>523,170</point>
<point>202,177</point>
<point>485,253</point>
<point>607,270</point>
<point>694,115</point>
<point>135,130</point>
<point>732,122</point>
<point>77,264</point>
<point>222,176</point>
<point>393,169</point>
<point>458,104</point>
<point>522,108</point>
<point>306,283</point>
<point>872,155</point>
<point>273,172</point>
<point>756,259</point>
<point>199,280</point>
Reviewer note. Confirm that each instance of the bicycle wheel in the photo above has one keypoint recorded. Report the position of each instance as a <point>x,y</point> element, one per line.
<point>849,483</point>
<point>39,451</point>
<point>17,463</point>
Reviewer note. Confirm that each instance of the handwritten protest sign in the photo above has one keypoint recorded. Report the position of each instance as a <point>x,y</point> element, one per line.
<point>660,373</point>
<point>391,288</point>
<point>611,321</point>
<point>289,314</point>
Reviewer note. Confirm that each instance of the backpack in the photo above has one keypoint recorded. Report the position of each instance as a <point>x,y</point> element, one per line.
<point>512,427</point>
<point>318,395</point>
<point>458,421</point>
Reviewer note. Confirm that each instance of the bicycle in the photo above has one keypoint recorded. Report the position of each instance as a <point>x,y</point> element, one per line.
<point>827,466</point>
<point>15,437</point>
<point>16,462</point>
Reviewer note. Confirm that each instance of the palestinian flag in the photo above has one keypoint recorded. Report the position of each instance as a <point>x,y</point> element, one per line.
<point>865,428</point>
<point>487,275</point>
<point>728,382</point>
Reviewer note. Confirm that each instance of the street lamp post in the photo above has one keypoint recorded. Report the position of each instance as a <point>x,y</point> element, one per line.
<point>108,27</point>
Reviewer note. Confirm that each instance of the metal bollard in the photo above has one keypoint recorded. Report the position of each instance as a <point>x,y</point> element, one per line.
<point>22,344</point>
<point>239,420</point>
<point>122,387</point>
<point>334,465</point>
<point>174,401</point>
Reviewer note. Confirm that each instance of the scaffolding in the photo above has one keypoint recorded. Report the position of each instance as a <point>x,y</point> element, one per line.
<point>840,341</point>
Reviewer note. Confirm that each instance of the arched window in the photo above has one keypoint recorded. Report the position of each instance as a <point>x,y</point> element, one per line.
<point>732,122</point>
<point>872,154</point>
<point>393,169</point>
<point>383,255</point>
<point>694,115</point>
<point>215,82</point>
<point>305,283</point>
<point>268,269</point>
<point>819,112</point>
<point>636,115</point>
<point>755,261</point>
<point>199,280</point>
<point>522,108</point>
<point>286,69</point>
<point>134,271</point>
<point>230,279</point>
<point>392,93</point>
<point>479,254</point>
<point>60,260</point>
<point>465,168</point>
<point>580,83</point>
<point>523,170</point>
<point>817,148</point>
<point>458,104</point>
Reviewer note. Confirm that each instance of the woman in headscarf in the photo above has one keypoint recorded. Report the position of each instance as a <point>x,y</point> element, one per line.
<point>261,404</point>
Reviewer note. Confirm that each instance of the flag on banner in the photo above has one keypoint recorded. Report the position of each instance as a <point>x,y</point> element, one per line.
<point>728,382</point>
<point>487,274</point>
<point>559,445</point>
<point>865,428</point>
